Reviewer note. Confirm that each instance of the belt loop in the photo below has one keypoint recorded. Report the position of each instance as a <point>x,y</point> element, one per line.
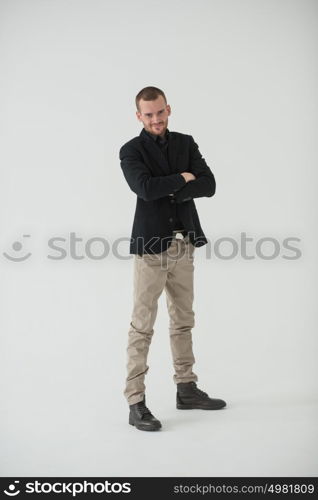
<point>175,233</point>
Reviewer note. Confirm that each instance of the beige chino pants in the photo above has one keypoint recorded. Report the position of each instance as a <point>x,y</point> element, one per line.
<point>171,270</point>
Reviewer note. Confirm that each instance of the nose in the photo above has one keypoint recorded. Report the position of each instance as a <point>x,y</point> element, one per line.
<point>158,118</point>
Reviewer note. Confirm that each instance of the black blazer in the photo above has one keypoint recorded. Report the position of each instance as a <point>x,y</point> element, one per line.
<point>159,186</point>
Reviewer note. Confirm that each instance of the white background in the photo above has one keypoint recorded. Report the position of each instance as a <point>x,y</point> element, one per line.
<point>241,77</point>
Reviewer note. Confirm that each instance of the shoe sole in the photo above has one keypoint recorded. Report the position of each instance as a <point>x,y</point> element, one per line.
<point>145,428</point>
<point>198,407</point>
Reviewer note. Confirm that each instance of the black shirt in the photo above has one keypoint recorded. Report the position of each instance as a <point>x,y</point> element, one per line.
<point>163,142</point>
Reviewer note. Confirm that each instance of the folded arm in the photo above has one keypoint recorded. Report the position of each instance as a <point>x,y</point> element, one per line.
<point>204,184</point>
<point>141,182</point>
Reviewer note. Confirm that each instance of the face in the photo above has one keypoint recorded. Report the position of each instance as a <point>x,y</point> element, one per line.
<point>154,115</point>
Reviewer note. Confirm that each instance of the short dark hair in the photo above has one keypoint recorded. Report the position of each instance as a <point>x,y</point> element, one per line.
<point>149,94</point>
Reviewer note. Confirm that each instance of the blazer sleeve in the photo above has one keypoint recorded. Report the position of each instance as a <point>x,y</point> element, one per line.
<point>141,181</point>
<point>204,184</point>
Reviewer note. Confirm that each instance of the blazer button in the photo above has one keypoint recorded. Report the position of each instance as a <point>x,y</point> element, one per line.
<point>170,219</point>
<point>172,201</point>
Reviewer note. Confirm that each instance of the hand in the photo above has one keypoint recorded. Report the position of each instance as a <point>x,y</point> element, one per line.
<point>188,176</point>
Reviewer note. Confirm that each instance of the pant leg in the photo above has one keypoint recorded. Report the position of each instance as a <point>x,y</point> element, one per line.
<point>180,295</point>
<point>149,281</point>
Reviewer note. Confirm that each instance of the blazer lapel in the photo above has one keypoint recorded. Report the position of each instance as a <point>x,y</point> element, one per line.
<point>156,153</point>
<point>172,153</point>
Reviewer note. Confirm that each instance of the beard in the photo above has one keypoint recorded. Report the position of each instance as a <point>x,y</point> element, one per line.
<point>159,128</point>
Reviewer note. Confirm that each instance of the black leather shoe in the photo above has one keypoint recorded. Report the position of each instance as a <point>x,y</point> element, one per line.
<point>142,418</point>
<point>190,397</point>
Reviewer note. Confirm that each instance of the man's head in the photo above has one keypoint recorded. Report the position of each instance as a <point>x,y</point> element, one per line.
<point>153,110</point>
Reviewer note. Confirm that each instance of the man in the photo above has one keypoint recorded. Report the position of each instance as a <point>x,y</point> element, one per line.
<point>166,171</point>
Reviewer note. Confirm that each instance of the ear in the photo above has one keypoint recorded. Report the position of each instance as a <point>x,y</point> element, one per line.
<point>169,109</point>
<point>138,115</point>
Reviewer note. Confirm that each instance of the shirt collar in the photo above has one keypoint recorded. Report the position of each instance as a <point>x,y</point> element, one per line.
<point>156,137</point>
